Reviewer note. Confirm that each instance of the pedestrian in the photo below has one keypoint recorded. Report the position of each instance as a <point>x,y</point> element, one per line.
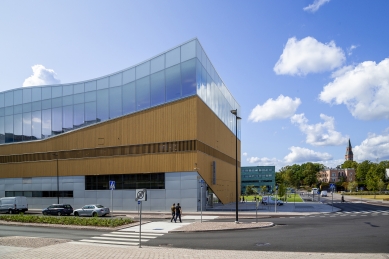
<point>173,209</point>
<point>178,213</point>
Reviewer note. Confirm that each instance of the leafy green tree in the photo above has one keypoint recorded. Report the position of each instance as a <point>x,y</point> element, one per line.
<point>362,170</point>
<point>281,190</point>
<point>263,189</point>
<point>352,186</point>
<point>310,172</point>
<point>251,190</point>
<point>350,164</point>
<point>381,185</point>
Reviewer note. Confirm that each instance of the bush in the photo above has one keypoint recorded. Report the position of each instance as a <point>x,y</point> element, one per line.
<point>97,222</point>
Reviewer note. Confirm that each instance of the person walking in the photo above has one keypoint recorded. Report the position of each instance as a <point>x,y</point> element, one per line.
<point>178,213</point>
<point>173,209</point>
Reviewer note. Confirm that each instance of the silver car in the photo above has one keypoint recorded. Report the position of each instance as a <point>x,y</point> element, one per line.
<point>95,210</point>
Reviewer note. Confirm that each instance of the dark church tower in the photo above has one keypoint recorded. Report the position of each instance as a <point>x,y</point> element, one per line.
<point>349,152</point>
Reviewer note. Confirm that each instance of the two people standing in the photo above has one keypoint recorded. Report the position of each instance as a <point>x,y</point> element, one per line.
<point>176,212</point>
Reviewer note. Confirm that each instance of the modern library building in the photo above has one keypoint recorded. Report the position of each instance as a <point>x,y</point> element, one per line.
<point>163,125</point>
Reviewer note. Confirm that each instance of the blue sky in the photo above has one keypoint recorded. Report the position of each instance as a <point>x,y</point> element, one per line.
<point>308,74</point>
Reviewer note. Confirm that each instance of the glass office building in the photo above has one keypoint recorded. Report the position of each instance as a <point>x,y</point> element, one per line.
<point>258,176</point>
<point>40,112</point>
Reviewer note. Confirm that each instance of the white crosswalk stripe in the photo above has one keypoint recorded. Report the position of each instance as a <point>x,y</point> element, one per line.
<point>122,238</point>
<point>352,214</point>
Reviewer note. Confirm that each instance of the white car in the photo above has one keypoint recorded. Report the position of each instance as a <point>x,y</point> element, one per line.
<point>323,193</point>
<point>314,190</point>
<point>271,200</point>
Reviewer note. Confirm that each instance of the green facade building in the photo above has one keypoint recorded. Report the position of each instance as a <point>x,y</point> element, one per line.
<point>258,176</point>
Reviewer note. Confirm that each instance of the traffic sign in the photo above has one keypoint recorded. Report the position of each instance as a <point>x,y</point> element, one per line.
<point>138,202</point>
<point>112,185</point>
<point>141,194</point>
<point>332,186</point>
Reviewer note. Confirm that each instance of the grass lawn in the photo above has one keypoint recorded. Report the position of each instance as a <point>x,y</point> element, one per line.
<point>289,199</point>
<point>377,197</point>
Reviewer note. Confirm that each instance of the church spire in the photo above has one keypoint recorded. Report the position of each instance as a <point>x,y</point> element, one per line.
<point>349,152</point>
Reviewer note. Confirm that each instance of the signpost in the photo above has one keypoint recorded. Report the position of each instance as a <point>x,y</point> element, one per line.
<point>275,201</point>
<point>332,187</point>
<point>201,181</point>
<point>256,210</point>
<point>140,195</point>
<point>112,185</point>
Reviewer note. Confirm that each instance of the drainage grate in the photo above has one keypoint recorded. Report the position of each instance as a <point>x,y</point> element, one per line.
<point>262,244</point>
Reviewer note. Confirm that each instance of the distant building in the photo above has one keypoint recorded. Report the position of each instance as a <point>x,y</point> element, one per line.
<point>258,176</point>
<point>332,175</point>
<point>349,152</point>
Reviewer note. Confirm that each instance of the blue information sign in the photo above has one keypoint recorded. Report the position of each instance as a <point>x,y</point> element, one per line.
<point>112,185</point>
<point>332,186</point>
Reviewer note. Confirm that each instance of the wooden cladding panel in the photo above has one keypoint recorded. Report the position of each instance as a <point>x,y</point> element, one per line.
<point>169,122</point>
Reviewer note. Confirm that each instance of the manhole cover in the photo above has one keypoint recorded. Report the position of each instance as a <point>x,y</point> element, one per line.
<point>262,244</point>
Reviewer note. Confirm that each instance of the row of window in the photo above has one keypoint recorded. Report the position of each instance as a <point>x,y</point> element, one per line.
<point>125,181</point>
<point>40,194</point>
<point>257,176</point>
<point>259,181</point>
<point>257,170</point>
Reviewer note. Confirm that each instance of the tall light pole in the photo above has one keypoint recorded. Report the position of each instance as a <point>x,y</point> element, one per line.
<point>235,112</point>
<point>56,155</point>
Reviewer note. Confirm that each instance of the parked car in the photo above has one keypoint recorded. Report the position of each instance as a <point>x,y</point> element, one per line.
<point>314,190</point>
<point>58,209</point>
<point>324,194</point>
<point>94,210</point>
<point>271,200</point>
<point>13,204</point>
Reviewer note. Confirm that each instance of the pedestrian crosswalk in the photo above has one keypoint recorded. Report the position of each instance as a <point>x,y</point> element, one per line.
<point>362,213</point>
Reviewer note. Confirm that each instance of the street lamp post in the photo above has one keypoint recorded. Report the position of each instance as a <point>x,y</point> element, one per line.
<point>235,112</point>
<point>56,155</point>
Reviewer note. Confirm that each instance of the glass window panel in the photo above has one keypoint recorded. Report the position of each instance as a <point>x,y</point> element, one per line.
<point>143,70</point>
<point>18,97</point>
<point>56,91</point>
<point>27,107</point>
<point>56,121</point>
<point>115,80</point>
<point>67,100</point>
<point>90,113</point>
<point>36,94</point>
<point>90,96</point>
<point>102,105</point>
<point>2,132</point>
<point>102,83</point>
<point>36,125</point>
<point>129,76</point>
<point>188,77</point>
<point>67,118</point>
<point>36,106</point>
<point>9,128</point>
<point>18,127</point>
<point>9,98</point>
<point>2,111</point>
<point>90,86</point>
<point>18,109</point>
<point>198,50</point>
<point>158,64</point>
<point>27,93</point>
<point>204,84</point>
<point>173,57</point>
<point>46,93</point>
<point>157,91</point>
<point>209,93</point>
<point>46,104</point>
<point>67,90</point>
<point>56,102</point>
<point>115,102</point>
<point>78,98</point>
<point>1,100</point>
<point>46,123</point>
<point>173,83</point>
<point>27,126</point>
<point>204,59</point>
<point>143,93</point>
<point>9,110</point>
<point>78,117</point>
<point>128,95</point>
<point>78,88</point>
<point>188,51</point>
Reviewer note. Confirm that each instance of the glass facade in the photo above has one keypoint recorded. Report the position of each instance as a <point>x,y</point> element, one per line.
<point>258,176</point>
<point>39,112</point>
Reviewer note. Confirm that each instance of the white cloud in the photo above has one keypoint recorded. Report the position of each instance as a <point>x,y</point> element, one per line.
<point>364,89</point>
<point>301,155</point>
<point>265,161</point>
<point>373,147</point>
<point>315,6</point>
<point>281,108</point>
<point>320,134</point>
<point>350,50</point>
<point>41,76</point>
<point>244,154</point>
<point>308,56</point>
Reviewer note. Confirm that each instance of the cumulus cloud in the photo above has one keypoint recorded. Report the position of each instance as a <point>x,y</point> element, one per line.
<point>265,161</point>
<point>308,56</point>
<point>364,89</point>
<point>244,154</point>
<point>373,147</point>
<point>315,6</point>
<point>350,50</point>
<point>320,134</point>
<point>41,76</point>
<point>281,108</point>
<point>301,155</point>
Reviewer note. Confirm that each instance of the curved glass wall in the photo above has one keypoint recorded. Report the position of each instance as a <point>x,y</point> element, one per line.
<point>39,112</point>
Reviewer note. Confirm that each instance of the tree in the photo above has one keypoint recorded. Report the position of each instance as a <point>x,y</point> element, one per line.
<point>350,164</point>
<point>362,170</point>
<point>251,190</point>
<point>263,189</point>
<point>352,186</point>
<point>310,172</point>
<point>281,190</point>
<point>380,185</point>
